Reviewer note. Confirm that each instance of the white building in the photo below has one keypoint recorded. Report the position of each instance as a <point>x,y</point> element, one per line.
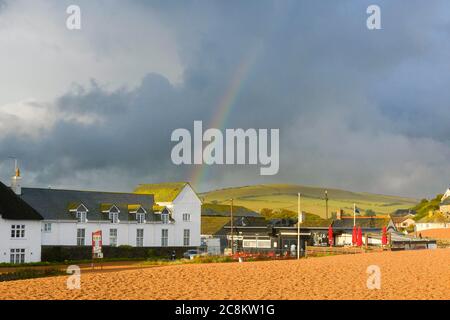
<point>69,217</point>
<point>20,228</point>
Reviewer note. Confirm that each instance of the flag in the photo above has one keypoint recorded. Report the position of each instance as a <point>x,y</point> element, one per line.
<point>357,210</point>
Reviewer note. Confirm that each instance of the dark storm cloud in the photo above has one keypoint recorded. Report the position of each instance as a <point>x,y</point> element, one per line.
<point>356,108</point>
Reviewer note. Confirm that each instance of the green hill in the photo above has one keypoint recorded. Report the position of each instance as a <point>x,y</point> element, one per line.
<point>284,196</point>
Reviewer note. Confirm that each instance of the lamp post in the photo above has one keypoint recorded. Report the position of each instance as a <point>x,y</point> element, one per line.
<point>326,204</point>
<point>298,225</point>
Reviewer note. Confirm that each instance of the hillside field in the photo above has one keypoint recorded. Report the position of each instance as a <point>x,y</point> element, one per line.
<point>284,196</point>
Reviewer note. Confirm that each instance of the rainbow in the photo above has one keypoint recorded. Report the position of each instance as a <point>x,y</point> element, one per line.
<point>225,107</point>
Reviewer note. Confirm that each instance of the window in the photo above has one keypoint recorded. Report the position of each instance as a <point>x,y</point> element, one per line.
<point>113,237</point>
<point>186,237</point>
<point>17,256</point>
<point>140,217</point>
<point>139,237</point>
<point>114,217</point>
<point>47,227</point>
<point>81,216</point>
<point>165,218</point>
<point>81,237</point>
<point>18,231</point>
<point>164,237</point>
<point>186,217</point>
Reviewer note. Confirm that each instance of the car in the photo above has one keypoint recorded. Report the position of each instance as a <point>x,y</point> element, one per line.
<point>191,254</point>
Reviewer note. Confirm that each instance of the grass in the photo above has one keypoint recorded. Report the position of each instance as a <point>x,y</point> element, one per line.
<point>284,196</point>
<point>211,225</point>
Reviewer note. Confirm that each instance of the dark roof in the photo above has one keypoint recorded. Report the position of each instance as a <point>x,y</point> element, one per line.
<point>446,202</point>
<point>13,207</point>
<point>55,204</point>
<point>363,222</point>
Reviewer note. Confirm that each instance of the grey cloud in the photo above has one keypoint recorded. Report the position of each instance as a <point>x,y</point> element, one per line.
<point>356,109</point>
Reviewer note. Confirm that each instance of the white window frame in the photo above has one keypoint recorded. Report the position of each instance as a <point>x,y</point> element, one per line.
<point>18,231</point>
<point>186,237</point>
<point>47,227</point>
<point>113,237</point>
<point>17,256</point>
<point>164,237</point>
<point>139,237</point>
<point>186,217</point>
<point>114,217</point>
<point>81,237</point>
<point>140,217</point>
<point>81,216</point>
<point>165,218</point>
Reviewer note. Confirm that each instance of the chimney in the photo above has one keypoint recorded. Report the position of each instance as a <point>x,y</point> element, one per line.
<point>15,181</point>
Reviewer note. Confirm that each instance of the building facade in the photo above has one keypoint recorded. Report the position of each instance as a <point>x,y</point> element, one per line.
<point>20,229</point>
<point>68,218</point>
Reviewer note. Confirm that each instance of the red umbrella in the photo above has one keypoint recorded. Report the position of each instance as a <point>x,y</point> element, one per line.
<point>360,242</point>
<point>354,235</point>
<point>384,237</point>
<point>330,236</point>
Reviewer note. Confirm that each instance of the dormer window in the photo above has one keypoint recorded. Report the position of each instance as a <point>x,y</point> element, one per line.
<point>165,217</point>
<point>81,216</point>
<point>139,212</point>
<point>113,213</point>
<point>80,211</point>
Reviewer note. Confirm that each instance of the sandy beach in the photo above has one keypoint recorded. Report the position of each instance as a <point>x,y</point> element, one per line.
<point>442,234</point>
<point>404,275</point>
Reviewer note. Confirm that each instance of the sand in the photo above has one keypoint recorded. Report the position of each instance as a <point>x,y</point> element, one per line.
<point>442,234</point>
<point>421,274</point>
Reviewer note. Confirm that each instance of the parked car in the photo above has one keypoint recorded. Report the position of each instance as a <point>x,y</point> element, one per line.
<point>191,254</point>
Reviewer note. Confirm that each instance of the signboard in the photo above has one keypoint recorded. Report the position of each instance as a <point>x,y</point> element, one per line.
<point>97,245</point>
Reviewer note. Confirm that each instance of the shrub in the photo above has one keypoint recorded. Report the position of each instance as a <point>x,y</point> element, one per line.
<point>30,274</point>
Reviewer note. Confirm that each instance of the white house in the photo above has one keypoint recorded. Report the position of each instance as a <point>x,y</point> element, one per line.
<point>20,227</point>
<point>69,217</point>
<point>181,202</point>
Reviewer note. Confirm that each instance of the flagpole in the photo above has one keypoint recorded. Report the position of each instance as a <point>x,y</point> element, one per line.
<point>298,226</point>
<point>354,214</point>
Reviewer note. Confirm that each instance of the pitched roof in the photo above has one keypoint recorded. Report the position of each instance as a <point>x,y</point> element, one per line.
<point>163,192</point>
<point>445,202</point>
<point>55,204</point>
<point>12,207</point>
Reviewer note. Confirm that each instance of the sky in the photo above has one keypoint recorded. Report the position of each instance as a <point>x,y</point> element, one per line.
<point>358,109</point>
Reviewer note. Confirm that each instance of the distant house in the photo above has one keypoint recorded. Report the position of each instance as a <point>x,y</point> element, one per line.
<point>343,227</point>
<point>403,222</point>
<point>444,206</point>
<point>20,229</point>
<point>434,220</point>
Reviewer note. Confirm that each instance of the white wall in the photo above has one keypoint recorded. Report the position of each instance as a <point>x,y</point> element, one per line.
<point>427,226</point>
<point>187,202</point>
<point>31,243</point>
<point>64,233</point>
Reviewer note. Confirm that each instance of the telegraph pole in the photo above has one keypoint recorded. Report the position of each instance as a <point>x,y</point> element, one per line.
<point>326,204</point>
<point>232,233</point>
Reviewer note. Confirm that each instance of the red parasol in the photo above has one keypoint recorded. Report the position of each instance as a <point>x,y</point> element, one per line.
<point>330,236</point>
<point>354,235</point>
<point>359,240</point>
<point>384,237</point>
